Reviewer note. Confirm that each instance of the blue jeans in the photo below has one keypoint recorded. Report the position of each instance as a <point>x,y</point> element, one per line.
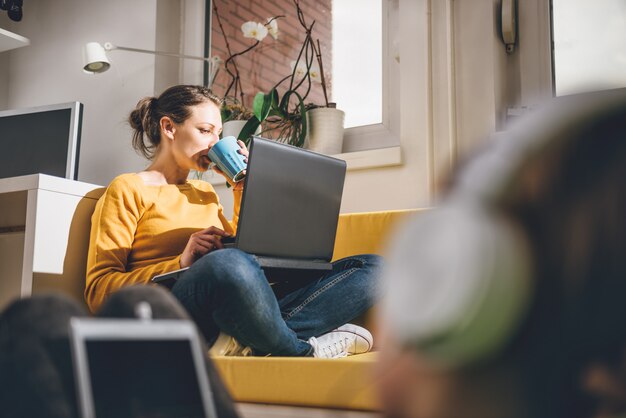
<point>226,290</point>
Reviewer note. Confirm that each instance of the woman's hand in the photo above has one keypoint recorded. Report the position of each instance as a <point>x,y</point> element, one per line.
<point>243,151</point>
<point>201,243</point>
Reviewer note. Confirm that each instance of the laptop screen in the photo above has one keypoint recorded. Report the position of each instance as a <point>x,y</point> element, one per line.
<point>132,369</point>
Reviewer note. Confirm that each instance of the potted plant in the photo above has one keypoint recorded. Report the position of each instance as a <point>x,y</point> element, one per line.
<point>234,116</point>
<point>233,110</point>
<point>288,117</point>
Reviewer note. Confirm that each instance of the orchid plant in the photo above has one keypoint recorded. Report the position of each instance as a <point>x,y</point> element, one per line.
<point>286,115</point>
<point>233,107</point>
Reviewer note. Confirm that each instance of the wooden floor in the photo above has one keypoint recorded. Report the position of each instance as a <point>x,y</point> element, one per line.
<point>252,410</point>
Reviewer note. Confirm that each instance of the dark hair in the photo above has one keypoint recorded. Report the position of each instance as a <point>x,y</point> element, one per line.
<point>176,103</point>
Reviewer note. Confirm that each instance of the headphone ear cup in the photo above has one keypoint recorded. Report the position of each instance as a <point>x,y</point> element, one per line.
<point>458,284</point>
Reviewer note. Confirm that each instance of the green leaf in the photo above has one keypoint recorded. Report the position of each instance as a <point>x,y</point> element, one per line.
<point>262,104</point>
<point>225,114</point>
<point>274,99</point>
<point>248,130</point>
<point>277,112</point>
<point>284,103</point>
<point>257,105</point>
<point>303,126</point>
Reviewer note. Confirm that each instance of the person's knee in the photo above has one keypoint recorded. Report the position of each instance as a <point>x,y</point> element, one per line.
<point>229,270</point>
<point>373,262</point>
<point>369,279</point>
<point>370,266</point>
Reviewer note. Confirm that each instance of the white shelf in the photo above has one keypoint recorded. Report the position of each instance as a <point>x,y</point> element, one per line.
<point>10,40</point>
<point>47,182</point>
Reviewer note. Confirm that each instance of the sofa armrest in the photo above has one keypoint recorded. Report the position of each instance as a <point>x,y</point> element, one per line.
<point>368,232</point>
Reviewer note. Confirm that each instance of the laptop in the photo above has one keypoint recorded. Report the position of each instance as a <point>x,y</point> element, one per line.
<point>136,368</point>
<point>289,209</point>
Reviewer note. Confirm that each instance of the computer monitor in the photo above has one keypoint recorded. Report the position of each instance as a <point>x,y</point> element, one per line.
<point>43,139</point>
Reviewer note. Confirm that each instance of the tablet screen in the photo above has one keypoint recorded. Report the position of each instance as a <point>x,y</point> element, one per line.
<point>143,378</point>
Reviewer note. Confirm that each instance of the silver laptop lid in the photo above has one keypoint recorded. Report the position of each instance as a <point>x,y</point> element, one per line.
<point>133,368</point>
<point>291,202</point>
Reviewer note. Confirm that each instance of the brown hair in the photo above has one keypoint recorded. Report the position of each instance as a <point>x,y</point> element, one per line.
<point>176,103</point>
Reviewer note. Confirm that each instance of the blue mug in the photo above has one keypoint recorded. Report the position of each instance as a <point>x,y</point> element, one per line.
<point>225,155</point>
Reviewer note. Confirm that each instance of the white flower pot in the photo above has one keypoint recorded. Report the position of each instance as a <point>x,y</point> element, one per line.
<point>325,130</point>
<point>232,128</point>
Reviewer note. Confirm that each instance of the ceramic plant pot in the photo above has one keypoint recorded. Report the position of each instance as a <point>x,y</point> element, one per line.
<point>325,130</point>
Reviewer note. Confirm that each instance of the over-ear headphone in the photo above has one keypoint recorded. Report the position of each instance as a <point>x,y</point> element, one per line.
<point>460,278</point>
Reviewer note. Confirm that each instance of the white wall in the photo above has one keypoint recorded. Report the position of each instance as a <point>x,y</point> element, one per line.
<point>50,71</point>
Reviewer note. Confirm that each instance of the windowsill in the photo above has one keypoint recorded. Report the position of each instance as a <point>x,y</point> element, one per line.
<point>372,158</point>
<point>357,160</point>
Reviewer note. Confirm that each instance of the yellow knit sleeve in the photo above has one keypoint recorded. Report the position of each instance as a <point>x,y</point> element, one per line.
<point>113,226</point>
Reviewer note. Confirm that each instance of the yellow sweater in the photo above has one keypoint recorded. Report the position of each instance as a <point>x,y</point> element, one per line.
<point>139,231</point>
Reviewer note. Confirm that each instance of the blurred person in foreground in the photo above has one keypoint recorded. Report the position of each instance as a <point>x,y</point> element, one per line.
<point>509,298</point>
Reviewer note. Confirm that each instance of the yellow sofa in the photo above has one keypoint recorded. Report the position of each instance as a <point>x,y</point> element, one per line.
<point>338,383</point>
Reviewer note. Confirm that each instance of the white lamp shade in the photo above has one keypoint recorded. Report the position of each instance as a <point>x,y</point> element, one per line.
<point>95,58</point>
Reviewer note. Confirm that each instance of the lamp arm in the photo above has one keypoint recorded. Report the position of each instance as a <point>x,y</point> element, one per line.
<point>109,47</point>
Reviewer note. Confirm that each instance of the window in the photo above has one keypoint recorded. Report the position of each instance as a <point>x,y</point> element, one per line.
<point>589,45</point>
<point>357,60</point>
<point>359,40</point>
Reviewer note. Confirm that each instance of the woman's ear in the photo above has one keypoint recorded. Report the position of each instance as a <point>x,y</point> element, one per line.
<point>168,128</point>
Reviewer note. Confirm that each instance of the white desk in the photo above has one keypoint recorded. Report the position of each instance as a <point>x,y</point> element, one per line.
<point>10,40</point>
<point>44,235</point>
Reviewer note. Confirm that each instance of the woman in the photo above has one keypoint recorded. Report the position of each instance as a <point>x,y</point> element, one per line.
<point>157,221</point>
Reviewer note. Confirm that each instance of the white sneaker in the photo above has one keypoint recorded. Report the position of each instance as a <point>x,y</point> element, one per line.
<point>344,341</point>
<point>225,345</point>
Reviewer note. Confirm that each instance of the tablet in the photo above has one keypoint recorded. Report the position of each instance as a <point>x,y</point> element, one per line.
<point>129,368</point>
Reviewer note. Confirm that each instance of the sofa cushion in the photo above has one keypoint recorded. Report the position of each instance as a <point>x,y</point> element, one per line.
<point>367,232</point>
<point>343,383</point>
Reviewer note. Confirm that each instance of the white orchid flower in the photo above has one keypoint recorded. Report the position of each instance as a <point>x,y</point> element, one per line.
<point>314,73</point>
<point>254,30</point>
<point>272,27</point>
<point>300,69</point>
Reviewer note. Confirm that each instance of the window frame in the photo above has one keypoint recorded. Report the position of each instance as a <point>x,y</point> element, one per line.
<point>387,133</point>
<point>536,52</point>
